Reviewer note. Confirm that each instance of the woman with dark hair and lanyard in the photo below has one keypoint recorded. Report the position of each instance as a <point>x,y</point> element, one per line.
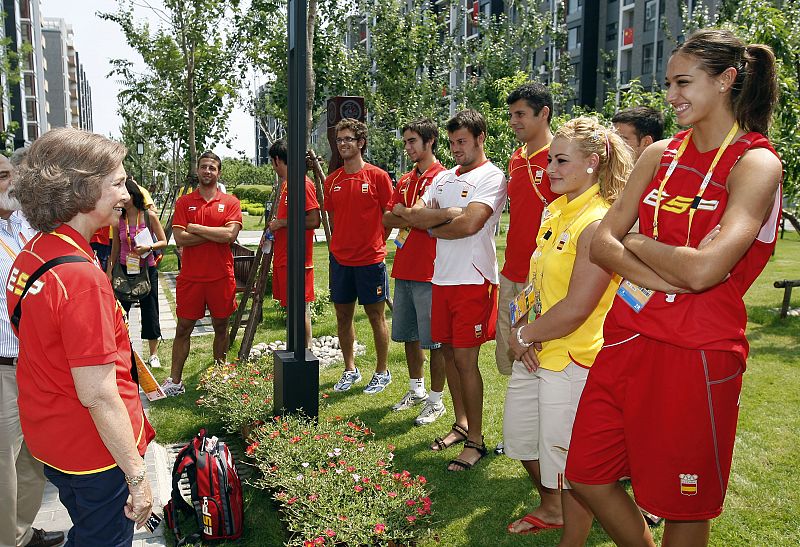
<point>132,256</point>
<point>661,402</point>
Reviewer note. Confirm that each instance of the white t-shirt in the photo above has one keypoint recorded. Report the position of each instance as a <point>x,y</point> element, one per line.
<point>469,260</point>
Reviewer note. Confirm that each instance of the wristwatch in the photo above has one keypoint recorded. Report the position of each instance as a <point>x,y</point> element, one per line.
<point>520,341</point>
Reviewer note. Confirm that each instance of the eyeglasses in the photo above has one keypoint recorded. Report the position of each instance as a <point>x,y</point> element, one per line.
<point>348,140</point>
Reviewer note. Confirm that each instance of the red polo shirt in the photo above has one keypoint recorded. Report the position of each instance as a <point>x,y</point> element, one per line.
<point>528,189</point>
<point>358,201</point>
<point>208,261</point>
<point>414,260</point>
<point>282,236</point>
<point>70,319</point>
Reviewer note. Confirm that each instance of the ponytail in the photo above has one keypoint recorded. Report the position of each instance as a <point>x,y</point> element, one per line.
<point>755,90</point>
<point>754,101</point>
<point>616,159</point>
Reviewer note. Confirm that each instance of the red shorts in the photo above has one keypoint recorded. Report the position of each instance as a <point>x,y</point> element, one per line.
<point>279,286</point>
<point>463,316</point>
<point>665,416</point>
<point>192,297</point>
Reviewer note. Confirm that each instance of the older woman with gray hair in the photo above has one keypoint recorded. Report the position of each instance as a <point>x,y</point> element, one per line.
<point>79,407</point>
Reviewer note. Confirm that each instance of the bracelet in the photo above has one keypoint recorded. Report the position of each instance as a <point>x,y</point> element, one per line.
<point>136,479</point>
<point>520,341</point>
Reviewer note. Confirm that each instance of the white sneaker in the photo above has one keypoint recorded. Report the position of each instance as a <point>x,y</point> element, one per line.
<point>154,361</point>
<point>349,377</point>
<point>171,389</point>
<point>410,399</point>
<point>430,413</point>
<point>378,383</point>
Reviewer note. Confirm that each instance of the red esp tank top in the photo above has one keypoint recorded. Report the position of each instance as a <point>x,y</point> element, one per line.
<point>714,319</point>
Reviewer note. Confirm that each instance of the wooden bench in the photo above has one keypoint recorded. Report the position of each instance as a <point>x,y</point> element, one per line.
<point>787,287</point>
<point>243,259</point>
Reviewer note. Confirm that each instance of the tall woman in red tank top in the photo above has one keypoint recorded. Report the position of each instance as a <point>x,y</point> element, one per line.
<point>661,401</point>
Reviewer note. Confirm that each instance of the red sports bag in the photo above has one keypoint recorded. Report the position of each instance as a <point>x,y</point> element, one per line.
<point>216,491</point>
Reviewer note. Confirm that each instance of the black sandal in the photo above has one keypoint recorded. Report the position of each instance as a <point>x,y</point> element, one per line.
<point>439,441</point>
<point>466,466</point>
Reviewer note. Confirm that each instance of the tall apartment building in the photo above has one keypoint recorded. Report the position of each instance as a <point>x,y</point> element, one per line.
<point>25,103</point>
<point>69,95</point>
<point>610,43</point>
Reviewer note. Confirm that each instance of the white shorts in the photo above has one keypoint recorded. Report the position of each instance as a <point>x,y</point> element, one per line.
<point>539,411</point>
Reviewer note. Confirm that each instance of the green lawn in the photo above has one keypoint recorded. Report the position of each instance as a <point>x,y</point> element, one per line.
<point>473,508</point>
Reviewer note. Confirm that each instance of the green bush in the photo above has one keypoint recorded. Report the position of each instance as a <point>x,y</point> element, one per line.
<point>335,484</point>
<point>255,193</point>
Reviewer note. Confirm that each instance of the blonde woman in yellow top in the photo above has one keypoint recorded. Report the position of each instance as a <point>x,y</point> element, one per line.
<point>556,342</point>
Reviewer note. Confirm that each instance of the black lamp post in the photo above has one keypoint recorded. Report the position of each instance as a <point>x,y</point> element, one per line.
<point>140,152</point>
<point>296,369</point>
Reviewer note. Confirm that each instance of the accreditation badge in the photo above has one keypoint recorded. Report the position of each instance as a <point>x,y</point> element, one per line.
<point>132,263</point>
<point>522,304</point>
<point>635,296</point>
<point>401,237</point>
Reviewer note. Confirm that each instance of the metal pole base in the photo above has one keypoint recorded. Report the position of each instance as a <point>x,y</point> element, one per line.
<point>296,384</point>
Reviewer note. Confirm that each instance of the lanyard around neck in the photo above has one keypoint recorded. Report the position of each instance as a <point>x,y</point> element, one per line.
<point>526,157</point>
<point>703,185</point>
<point>420,188</point>
<point>71,241</point>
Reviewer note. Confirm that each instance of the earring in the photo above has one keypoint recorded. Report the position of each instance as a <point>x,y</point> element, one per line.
<point>589,170</point>
<point>722,89</point>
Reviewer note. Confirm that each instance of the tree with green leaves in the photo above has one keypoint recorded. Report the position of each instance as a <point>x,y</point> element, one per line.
<point>185,93</point>
<point>777,24</point>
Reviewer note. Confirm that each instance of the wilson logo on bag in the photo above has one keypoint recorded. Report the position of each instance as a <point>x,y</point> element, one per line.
<point>215,488</point>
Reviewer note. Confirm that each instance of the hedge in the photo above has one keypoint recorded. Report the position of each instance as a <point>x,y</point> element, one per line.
<point>255,193</point>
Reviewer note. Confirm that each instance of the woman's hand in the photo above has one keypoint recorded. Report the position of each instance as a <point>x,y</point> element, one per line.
<point>140,503</point>
<point>530,358</point>
<point>142,250</point>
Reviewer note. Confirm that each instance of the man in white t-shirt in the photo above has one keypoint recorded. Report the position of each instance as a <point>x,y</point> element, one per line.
<point>461,208</point>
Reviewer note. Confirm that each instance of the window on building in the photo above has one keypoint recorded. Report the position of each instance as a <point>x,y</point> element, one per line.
<point>647,59</point>
<point>573,38</point>
<point>660,57</point>
<point>611,32</point>
<point>574,5</point>
<point>30,85</point>
<point>650,15</point>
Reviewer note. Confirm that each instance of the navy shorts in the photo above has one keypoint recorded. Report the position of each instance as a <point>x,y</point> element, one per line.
<point>369,284</point>
<point>95,503</point>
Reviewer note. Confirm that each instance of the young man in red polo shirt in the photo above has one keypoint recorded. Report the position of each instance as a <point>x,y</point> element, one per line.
<point>530,107</point>
<point>279,156</point>
<point>412,272</point>
<point>461,208</point>
<point>356,196</point>
<point>205,224</point>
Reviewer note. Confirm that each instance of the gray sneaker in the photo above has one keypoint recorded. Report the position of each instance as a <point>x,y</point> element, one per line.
<point>349,377</point>
<point>430,412</point>
<point>409,399</point>
<point>171,389</point>
<point>378,383</point>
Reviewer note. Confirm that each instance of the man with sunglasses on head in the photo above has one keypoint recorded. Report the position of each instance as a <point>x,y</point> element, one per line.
<point>356,197</point>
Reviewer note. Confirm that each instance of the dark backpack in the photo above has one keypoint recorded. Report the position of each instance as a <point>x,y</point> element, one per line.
<point>216,491</point>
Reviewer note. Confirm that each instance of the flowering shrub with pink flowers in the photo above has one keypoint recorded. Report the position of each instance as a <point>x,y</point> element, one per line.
<point>336,486</point>
<point>239,393</point>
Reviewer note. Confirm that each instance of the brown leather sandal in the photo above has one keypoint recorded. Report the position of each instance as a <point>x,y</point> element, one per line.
<point>441,445</point>
<point>464,465</point>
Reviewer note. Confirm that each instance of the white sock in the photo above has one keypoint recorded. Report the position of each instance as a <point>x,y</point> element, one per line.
<point>434,397</point>
<point>417,385</point>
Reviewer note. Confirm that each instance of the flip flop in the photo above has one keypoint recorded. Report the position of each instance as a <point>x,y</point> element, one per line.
<point>538,525</point>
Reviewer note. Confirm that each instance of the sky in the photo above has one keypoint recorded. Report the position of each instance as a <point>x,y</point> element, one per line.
<point>98,41</point>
